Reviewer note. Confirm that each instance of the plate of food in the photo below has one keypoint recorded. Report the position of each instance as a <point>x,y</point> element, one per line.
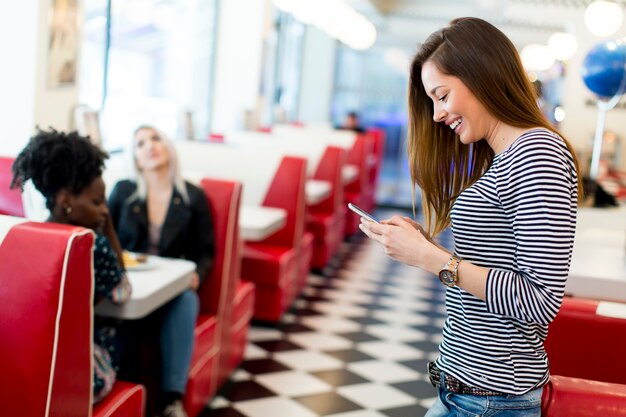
<point>137,261</point>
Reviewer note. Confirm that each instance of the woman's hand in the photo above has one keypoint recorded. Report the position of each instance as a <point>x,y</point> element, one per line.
<point>406,241</point>
<point>195,281</point>
<point>108,230</point>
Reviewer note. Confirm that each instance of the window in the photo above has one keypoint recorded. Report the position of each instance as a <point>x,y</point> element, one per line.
<point>155,67</point>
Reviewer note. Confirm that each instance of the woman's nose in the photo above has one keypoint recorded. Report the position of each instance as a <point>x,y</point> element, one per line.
<point>439,114</point>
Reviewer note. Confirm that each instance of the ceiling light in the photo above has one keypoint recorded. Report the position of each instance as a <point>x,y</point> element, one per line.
<point>603,18</point>
<point>563,45</point>
<point>536,57</point>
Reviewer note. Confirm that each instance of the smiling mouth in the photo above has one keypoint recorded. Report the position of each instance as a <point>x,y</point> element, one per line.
<point>456,123</point>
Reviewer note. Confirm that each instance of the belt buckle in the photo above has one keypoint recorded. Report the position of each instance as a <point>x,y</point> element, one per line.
<point>433,374</point>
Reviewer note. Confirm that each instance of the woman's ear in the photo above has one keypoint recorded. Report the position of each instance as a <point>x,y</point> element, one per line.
<point>63,202</point>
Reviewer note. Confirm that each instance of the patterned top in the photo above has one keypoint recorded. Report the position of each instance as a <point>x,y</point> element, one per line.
<point>110,283</point>
<point>518,220</point>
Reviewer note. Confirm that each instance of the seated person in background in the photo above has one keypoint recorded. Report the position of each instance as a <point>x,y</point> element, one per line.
<point>352,123</point>
<point>67,170</point>
<point>159,213</point>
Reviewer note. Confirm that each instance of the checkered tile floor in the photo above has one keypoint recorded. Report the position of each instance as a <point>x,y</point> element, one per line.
<point>355,344</point>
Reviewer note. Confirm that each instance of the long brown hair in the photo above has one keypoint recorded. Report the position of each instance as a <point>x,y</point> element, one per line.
<point>486,61</point>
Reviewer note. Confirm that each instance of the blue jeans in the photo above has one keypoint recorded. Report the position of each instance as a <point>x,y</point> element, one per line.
<point>450,404</point>
<point>179,320</point>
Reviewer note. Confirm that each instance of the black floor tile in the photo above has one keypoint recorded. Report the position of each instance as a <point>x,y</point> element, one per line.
<point>425,346</point>
<point>294,328</point>
<point>419,365</point>
<point>263,366</point>
<point>221,412</point>
<point>428,328</point>
<point>273,346</point>
<point>340,377</point>
<point>367,321</point>
<point>417,389</point>
<point>246,390</point>
<point>305,312</point>
<point>358,337</point>
<point>329,403</point>
<point>314,298</point>
<point>349,355</point>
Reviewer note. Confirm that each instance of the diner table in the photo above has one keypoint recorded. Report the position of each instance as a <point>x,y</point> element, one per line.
<point>598,268</point>
<point>154,283</point>
<point>317,190</point>
<point>349,173</point>
<point>258,222</point>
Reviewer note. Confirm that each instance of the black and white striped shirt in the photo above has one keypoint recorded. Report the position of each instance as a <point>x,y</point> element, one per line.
<point>518,220</point>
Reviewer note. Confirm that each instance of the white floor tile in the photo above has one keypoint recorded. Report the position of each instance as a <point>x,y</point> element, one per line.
<point>254,352</point>
<point>257,334</point>
<point>339,309</point>
<point>303,360</point>
<point>357,286</point>
<point>331,324</point>
<point>241,375</point>
<point>219,402</point>
<point>347,296</point>
<point>395,333</point>
<point>427,402</point>
<point>316,280</point>
<point>275,406</point>
<point>320,341</point>
<point>400,317</point>
<point>390,351</point>
<point>403,304</point>
<point>383,371</point>
<point>293,384</point>
<point>376,396</point>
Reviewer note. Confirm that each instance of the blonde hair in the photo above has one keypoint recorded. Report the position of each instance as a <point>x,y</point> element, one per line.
<point>174,174</point>
<point>486,61</point>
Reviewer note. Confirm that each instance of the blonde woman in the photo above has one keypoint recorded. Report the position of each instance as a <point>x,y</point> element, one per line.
<point>489,164</point>
<point>159,213</point>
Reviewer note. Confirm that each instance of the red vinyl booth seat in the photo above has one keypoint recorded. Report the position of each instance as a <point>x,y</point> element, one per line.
<point>574,397</point>
<point>123,401</point>
<point>46,325</point>
<point>378,153</point>
<point>582,344</point>
<point>214,345</point>
<point>10,199</point>
<point>326,219</point>
<point>359,191</point>
<point>273,263</point>
<point>243,310</point>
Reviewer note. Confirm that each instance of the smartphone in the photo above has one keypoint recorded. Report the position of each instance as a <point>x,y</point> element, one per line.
<point>362,213</point>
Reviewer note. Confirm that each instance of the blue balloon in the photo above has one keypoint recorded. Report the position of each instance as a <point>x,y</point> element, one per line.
<point>604,68</point>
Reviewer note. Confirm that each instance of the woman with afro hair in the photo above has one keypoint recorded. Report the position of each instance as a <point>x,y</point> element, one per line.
<point>67,170</point>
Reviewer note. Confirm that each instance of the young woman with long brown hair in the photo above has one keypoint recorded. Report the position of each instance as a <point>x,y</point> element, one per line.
<point>491,166</point>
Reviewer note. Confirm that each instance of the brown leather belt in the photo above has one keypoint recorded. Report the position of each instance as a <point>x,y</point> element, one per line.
<point>454,385</point>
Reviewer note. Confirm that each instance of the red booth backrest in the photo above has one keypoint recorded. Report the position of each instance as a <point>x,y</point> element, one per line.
<point>574,397</point>
<point>10,200</point>
<point>581,344</point>
<point>46,321</point>
<point>224,197</point>
<point>359,156</point>
<point>330,169</point>
<point>287,192</point>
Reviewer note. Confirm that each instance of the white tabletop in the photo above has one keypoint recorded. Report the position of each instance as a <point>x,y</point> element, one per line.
<point>349,173</point>
<point>317,190</point>
<point>258,222</point>
<point>160,281</point>
<point>598,268</point>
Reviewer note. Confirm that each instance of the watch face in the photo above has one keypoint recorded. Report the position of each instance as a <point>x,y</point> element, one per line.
<point>447,277</point>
